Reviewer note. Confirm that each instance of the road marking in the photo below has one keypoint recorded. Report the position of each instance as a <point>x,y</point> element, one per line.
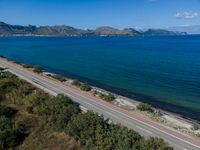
<point>144,130</point>
<point>112,115</point>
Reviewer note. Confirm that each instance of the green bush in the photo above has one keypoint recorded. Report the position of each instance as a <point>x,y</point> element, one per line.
<point>27,66</point>
<point>82,86</point>
<point>85,87</point>
<point>108,98</point>
<point>144,107</point>
<point>16,62</point>
<point>37,69</point>
<point>195,126</point>
<point>76,83</point>
<point>58,77</point>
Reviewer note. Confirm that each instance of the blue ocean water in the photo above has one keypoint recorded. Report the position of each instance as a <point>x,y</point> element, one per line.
<point>161,70</point>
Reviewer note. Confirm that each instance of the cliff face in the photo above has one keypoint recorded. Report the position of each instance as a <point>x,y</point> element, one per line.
<point>9,30</point>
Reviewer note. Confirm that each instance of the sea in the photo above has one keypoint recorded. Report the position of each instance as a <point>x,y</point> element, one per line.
<point>163,71</point>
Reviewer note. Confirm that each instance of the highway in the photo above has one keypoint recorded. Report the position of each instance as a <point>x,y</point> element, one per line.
<point>139,123</point>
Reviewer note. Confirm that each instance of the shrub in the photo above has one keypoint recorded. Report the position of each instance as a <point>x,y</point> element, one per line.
<point>195,126</point>
<point>144,107</point>
<point>58,77</point>
<point>82,86</point>
<point>109,98</point>
<point>76,83</point>
<point>95,92</point>
<point>37,69</point>
<point>27,66</point>
<point>85,87</point>
<point>17,62</point>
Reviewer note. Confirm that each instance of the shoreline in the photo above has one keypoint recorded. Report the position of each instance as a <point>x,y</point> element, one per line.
<point>169,119</point>
<point>182,112</point>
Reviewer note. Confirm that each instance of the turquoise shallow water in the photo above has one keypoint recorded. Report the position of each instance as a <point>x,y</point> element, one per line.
<point>163,71</point>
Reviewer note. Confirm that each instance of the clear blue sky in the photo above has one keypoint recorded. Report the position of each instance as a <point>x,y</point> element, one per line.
<point>93,13</point>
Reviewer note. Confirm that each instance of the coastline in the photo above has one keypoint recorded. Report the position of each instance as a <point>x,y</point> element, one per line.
<point>166,118</point>
<point>181,111</point>
<point>165,107</point>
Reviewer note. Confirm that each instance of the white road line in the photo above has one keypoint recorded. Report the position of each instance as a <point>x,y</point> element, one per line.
<point>112,115</point>
<point>145,130</point>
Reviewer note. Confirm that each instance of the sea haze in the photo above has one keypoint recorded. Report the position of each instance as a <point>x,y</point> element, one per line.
<point>161,70</point>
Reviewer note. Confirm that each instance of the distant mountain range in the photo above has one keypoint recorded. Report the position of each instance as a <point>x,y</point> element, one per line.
<point>63,30</point>
<point>189,29</point>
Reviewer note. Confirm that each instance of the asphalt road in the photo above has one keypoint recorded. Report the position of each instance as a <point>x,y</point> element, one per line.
<point>137,122</point>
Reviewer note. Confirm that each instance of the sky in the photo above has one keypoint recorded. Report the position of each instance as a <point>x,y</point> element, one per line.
<point>93,13</point>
